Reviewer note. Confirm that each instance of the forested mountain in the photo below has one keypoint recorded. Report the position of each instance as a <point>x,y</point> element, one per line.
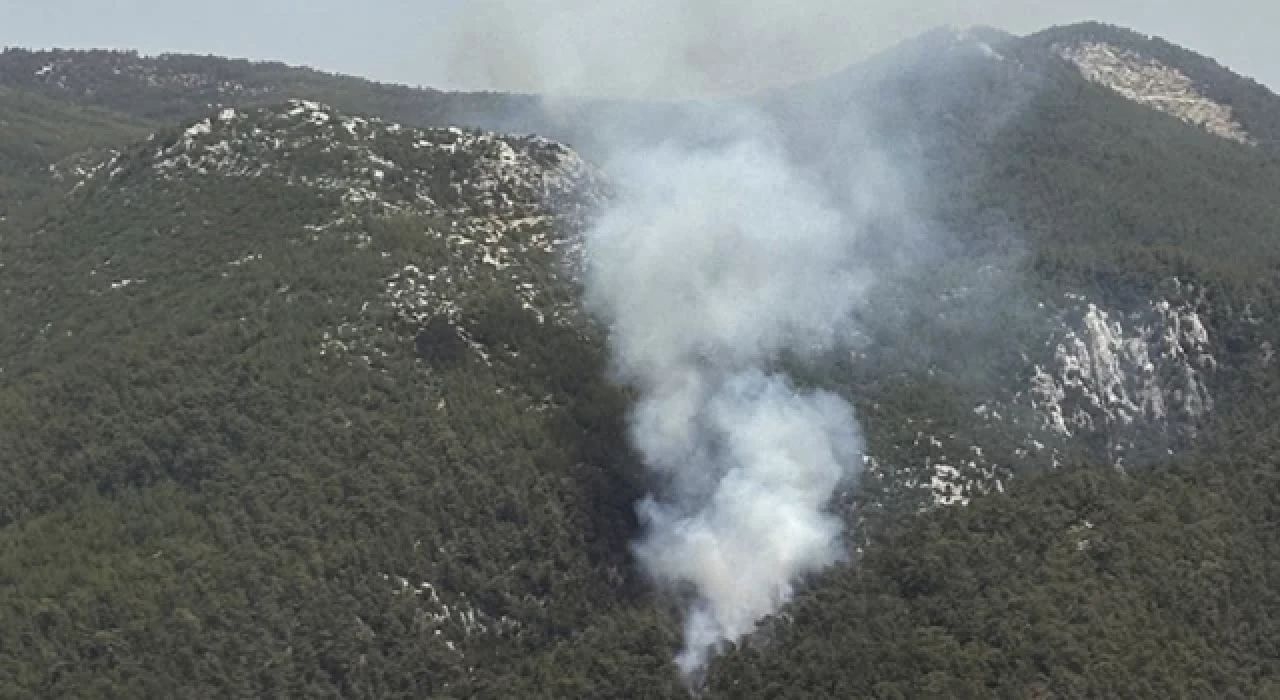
<point>173,87</point>
<point>298,397</point>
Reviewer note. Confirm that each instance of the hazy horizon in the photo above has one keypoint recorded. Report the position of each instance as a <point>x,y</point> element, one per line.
<point>483,44</point>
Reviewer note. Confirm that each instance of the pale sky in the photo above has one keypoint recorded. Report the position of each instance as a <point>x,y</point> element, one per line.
<point>606,46</point>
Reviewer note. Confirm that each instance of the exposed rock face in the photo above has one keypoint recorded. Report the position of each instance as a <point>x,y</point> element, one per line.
<point>370,161</point>
<point>950,472</point>
<point>1128,387</point>
<point>452,623</point>
<point>1111,372</point>
<point>1155,85</point>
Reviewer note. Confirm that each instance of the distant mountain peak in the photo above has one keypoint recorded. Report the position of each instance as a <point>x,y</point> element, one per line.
<point>949,41</point>
<point>85,73</point>
<point>1168,78</point>
<point>985,40</point>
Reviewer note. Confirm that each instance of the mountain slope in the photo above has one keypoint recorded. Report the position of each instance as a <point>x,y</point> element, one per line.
<point>1086,256</point>
<point>265,466</point>
<point>302,403</point>
<point>1036,594</point>
<point>40,132</point>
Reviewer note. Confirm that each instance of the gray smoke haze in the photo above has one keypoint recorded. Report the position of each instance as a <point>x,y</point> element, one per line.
<point>717,256</point>
<point>678,47</point>
<point>655,48</point>
<point>708,264</point>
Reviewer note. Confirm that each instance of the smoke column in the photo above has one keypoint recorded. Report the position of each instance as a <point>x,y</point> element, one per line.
<point>706,266</point>
<point>716,256</point>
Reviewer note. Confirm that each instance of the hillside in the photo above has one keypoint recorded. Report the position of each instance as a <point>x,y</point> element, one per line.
<point>299,398</point>
<point>45,132</point>
<point>233,263</point>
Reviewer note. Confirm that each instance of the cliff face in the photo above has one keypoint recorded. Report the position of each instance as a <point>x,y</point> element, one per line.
<point>1122,377</point>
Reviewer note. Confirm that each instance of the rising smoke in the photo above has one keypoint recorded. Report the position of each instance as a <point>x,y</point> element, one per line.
<point>706,266</point>
<point>715,258</point>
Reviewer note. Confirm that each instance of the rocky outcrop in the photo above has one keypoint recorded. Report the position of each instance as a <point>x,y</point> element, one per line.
<point>1151,83</point>
<point>1123,375</point>
<point>503,211</point>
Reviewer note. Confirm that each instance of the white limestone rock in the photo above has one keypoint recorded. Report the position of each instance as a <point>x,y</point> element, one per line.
<point>1111,371</point>
<point>1151,83</point>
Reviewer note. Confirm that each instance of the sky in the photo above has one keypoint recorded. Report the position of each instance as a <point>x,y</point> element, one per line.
<point>699,47</point>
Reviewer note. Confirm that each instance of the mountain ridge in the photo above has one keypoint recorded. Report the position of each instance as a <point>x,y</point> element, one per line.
<point>121,78</point>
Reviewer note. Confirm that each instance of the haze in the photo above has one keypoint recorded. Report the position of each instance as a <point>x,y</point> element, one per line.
<point>486,44</point>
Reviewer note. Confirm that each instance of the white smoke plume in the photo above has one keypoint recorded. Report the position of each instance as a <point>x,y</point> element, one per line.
<point>708,264</point>
<point>716,257</point>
